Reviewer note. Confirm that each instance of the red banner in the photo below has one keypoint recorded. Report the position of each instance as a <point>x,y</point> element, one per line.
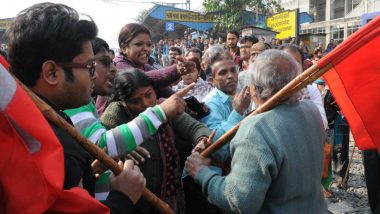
<point>355,83</point>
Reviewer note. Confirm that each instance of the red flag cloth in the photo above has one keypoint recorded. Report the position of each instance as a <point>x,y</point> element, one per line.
<point>32,163</point>
<point>354,80</point>
<point>4,62</point>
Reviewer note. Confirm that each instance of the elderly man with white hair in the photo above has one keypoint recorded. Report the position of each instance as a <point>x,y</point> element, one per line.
<point>277,156</point>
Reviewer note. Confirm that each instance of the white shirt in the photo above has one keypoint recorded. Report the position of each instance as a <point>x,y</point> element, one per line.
<point>315,96</point>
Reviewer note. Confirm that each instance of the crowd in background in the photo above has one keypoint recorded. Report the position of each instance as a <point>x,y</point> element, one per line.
<point>161,50</point>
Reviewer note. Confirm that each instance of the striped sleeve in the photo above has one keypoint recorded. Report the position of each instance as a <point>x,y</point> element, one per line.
<point>122,139</point>
<point>86,121</point>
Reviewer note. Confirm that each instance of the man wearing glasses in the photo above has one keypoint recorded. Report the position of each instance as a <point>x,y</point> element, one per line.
<point>254,51</point>
<point>56,61</point>
<point>245,51</point>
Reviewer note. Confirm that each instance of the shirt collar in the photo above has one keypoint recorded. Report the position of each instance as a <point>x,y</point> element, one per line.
<point>56,109</point>
<point>199,81</point>
<point>223,96</point>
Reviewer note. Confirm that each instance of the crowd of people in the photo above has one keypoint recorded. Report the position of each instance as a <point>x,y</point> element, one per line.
<point>153,108</point>
<point>165,50</point>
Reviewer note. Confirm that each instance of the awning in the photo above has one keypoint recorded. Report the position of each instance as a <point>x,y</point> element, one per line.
<point>182,19</point>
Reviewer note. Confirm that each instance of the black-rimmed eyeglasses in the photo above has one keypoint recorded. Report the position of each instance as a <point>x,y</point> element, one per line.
<point>106,61</point>
<point>90,66</point>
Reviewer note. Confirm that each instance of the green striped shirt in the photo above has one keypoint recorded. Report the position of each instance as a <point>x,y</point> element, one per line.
<point>120,140</point>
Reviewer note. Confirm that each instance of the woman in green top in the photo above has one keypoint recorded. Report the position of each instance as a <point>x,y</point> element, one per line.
<point>133,93</point>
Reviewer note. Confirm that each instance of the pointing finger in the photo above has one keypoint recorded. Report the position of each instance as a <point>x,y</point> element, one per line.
<point>184,91</point>
<point>244,90</point>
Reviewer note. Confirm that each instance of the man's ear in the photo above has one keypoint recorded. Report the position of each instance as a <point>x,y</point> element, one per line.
<point>50,72</point>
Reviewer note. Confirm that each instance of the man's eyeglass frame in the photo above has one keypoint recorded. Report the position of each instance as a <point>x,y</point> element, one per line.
<point>90,66</point>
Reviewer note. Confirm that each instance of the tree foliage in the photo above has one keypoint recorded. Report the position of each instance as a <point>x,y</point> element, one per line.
<point>232,14</point>
<point>142,15</point>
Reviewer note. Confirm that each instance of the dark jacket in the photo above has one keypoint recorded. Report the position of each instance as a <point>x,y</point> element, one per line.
<point>78,166</point>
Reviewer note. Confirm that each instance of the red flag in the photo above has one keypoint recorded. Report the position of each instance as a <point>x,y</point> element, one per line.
<point>4,62</point>
<point>354,80</point>
<point>31,166</point>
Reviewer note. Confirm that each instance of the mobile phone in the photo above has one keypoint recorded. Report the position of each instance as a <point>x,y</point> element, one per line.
<point>194,105</point>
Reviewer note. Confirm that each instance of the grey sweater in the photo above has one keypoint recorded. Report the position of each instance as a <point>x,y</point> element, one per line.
<point>277,162</point>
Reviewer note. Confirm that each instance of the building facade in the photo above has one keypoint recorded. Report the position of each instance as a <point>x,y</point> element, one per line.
<point>336,19</point>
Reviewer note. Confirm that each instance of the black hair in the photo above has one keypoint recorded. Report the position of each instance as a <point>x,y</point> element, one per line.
<point>151,61</point>
<point>126,82</point>
<point>234,32</point>
<point>252,39</point>
<point>194,50</point>
<point>197,63</point>
<point>293,48</point>
<point>4,54</point>
<point>46,31</point>
<point>267,46</point>
<point>129,32</point>
<point>99,44</point>
<point>174,48</point>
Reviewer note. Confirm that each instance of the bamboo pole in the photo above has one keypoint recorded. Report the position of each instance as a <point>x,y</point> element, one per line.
<point>296,84</point>
<point>91,148</point>
<point>344,181</point>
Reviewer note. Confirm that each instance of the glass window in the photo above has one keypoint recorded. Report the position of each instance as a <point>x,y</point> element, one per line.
<point>337,33</point>
<point>352,27</point>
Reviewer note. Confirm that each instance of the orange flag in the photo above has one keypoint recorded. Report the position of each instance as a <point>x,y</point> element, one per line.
<point>354,81</point>
<point>32,163</point>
